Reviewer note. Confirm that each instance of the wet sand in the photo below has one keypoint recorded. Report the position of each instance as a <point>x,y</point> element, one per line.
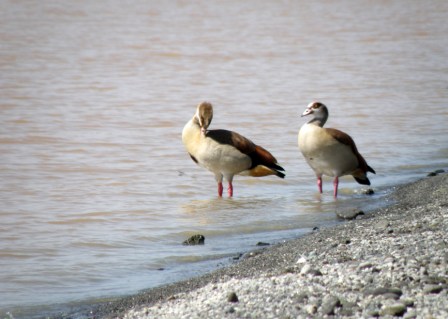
<point>389,262</point>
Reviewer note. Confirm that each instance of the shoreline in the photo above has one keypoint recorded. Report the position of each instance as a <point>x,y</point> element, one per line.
<point>392,261</point>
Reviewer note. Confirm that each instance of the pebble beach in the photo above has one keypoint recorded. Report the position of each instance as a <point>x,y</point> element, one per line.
<point>392,262</point>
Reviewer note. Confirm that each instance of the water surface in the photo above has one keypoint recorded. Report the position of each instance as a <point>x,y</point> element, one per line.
<point>96,190</point>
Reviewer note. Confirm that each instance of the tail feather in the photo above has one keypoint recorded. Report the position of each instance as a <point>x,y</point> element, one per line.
<point>278,170</point>
<point>362,181</point>
<point>280,174</point>
<point>261,170</point>
<point>360,175</point>
<point>276,167</point>
<point>264,163</point>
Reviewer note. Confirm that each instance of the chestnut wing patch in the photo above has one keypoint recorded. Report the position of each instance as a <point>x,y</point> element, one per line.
<point>258,155</point>
<point>346,139</point>
<point>234,139</point>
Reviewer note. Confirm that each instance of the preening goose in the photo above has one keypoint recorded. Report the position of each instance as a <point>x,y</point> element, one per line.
<point>225,153</point>
<point>329,151</point>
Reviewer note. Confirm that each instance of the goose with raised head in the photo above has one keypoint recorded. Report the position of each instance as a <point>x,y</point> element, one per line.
<point>225,153</point>
<point>330,151</point>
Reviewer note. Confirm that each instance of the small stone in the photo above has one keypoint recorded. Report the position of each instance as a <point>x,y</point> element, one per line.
<point>310,309</point>
<point>408,302</point>
<point>194,240</point>
<point>381,224</point>
<point>232,297</point>
<point>329,304</point>
<point>260,243</point>
<point>365,265</point>
<point>349,215</point>
<point>397,309</point>
<point>301,297</point>
<point>290,270</point>
<point>301,260</point>
<point>305,269</point>
<point>433,289</point>
<point>434,280</point>
<point>230,310</point>
<point>237,257</point>
<point>390,296</point>
<point>384,291</point>
<point>315,272</point>
<point>410,314</point>
<point>373,313</point>
<point>308,270</point>
<point>348,308</point>
<point>253,254</point>
<point>368,191</point>
<point>436,172</point>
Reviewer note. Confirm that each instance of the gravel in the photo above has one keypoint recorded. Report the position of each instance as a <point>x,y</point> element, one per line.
<point>389,263</point>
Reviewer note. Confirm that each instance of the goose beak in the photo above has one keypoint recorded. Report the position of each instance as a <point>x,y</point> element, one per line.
<point>308,111</point>
<point>203,130</point>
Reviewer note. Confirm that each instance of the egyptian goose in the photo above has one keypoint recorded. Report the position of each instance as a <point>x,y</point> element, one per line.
<point>329,151</point>
<point>225,153</point>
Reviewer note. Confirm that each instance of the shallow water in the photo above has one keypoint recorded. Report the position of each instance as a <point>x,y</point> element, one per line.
<point>97,192</point>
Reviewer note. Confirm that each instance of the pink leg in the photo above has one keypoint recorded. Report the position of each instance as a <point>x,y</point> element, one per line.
<point>220,188</point>
<point>335,185</point>
<point>230,189</point>
<point>319,184</point>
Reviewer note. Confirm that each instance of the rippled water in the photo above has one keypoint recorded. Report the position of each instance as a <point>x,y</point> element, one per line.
<point>96,189</point>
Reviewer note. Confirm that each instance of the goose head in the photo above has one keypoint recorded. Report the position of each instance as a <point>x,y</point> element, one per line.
<point>319,111</point>
<point>204,116</point>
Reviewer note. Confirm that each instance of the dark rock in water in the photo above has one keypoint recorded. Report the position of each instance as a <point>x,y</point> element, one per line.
<point>260,243</point>
<point>237,256</point>
<point>232,297</point>
<point>436,172</point>
<point>368,191</point>
<point>194,240</point>
<point>349,215</point>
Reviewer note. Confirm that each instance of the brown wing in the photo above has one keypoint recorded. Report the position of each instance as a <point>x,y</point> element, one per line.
<point>258,154</point>
<point>346,139</point>
<point>234,139</point>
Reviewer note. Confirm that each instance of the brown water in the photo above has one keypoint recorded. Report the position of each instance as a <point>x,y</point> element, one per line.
<point>96,189</point>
